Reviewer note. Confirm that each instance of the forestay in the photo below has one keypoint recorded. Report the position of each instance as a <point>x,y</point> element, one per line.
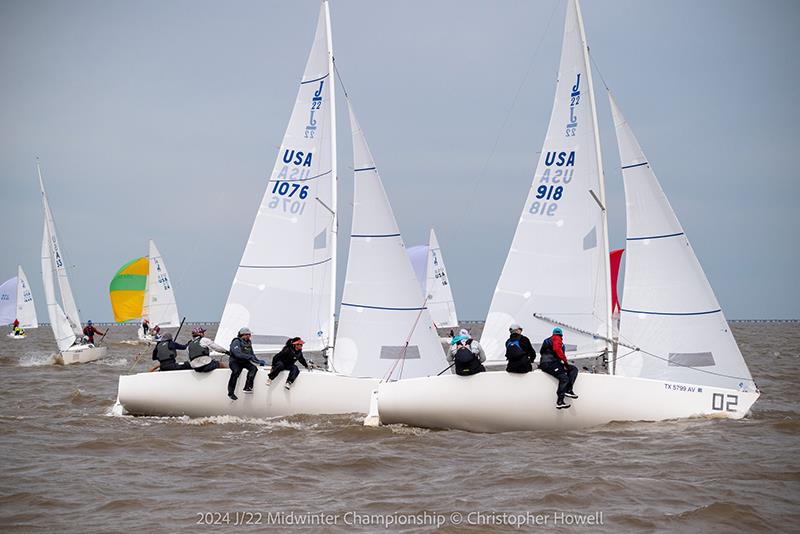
<point>284,285</point>
<point>668,307</point>
<point>558,262</point>
<point>26,310</point>
<point>385,329</point>
<point>160,307</point>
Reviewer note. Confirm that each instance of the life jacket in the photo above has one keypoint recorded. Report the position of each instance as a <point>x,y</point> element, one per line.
<point>164,353</point>
<point>466,361</point>
<point>196,349</point>
<point>514,351</point>
<point>246,347</point>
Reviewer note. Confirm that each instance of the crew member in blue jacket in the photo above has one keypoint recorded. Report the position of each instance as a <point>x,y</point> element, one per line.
<point>242,357</point>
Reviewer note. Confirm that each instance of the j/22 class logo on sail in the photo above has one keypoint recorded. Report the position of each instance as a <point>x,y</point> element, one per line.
<point>558,173</point>
<point>574,101</point>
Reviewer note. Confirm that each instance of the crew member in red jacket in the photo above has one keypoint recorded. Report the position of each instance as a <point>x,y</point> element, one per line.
<point>89,331</point>
<point>554,362</point>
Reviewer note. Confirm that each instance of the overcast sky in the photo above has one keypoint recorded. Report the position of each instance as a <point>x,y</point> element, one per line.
<point>162,119</point>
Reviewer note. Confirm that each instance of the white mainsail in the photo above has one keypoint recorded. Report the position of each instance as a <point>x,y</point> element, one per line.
<point>441,305</point>
<point>62,330</point>
<point>385,330</point>
<point>557,266</point>
<point>668,308</point>
<point>285,283</point>
<point>159,307</point>
<point>53,268</point>
<point>26,311</point>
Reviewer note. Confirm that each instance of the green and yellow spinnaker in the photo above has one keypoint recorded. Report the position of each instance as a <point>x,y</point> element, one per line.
<point>127,290</point>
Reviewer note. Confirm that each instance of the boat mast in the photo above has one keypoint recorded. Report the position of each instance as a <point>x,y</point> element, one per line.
<point>334,178</point>
<point>601,178</point>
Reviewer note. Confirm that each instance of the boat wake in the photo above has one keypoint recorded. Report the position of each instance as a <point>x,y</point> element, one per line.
<point>37,360</point>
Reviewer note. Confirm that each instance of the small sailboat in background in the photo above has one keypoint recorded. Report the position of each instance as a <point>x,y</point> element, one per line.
<point>431,273</point>
<point>16,303</point>
<point>64,321</point>
<point>142,289</point>
<point>680,359</point>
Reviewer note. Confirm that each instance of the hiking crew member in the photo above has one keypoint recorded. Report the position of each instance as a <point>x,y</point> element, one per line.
<point>519,351</point>
<point>199,349</point>
<point>554,362</point>
<point>291,352</point>
<point>89,331</point>
<point>166,352</point>
<point>466,354</point>
<point>17,331</point>
<point>242,357</point>
<point>145,326</point>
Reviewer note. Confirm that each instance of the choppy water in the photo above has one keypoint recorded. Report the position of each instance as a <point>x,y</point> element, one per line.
<point>68,465</point>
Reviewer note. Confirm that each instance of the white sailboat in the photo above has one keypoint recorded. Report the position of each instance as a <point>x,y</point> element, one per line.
<point>428,262</point>
<point>160,307</point>
<point>65,321</point>
<point>680,360</point>
<point>16,303</point>
<point>384,331</point>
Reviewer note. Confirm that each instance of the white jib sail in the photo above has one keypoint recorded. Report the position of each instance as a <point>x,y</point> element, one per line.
<point>285,283</point>
<point>26,311</point>
<point>558,262</point>
<point>668,308</point>
<point>385,329</point>
<point>62,330</point>
<point>8,301</point>
<point>160,307</point>
<point>70,309</point>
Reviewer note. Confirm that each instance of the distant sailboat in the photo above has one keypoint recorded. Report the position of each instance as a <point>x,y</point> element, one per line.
<point>431,273</point>
<point>142,289</point>
<point>16,303</point>
<point>64,321</point>
<point>680,359</point>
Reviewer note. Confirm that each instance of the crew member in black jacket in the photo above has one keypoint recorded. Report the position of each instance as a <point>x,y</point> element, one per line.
<point>291,352</point>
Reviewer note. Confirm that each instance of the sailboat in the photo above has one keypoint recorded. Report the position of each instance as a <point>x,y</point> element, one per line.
<point>431,273</point>
<point>676,357</point>
<point>142,289</point>
<point>64,321</point>
<point>16,303</point>
<point>285,283</point>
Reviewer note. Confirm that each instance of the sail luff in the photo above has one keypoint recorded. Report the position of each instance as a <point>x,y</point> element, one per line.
<point>334,182</point>
<point>601,175</point>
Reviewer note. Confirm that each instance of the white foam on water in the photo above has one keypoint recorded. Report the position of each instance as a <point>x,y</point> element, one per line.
<point>37,360</point>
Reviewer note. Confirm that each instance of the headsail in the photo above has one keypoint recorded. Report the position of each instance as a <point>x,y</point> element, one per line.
<point>26,311</point>
<point>558,262</point>
<point>56,268</point>
<point>668,308</point>
<point>285,283</point>
<point>160,307</point>
<point>385,329</point>
<point>8,301</point>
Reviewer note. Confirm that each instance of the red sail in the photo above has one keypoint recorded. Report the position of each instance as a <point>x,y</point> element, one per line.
<point>615,258</point>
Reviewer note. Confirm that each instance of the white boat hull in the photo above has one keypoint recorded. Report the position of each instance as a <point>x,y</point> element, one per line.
<point>15,336</point>
<point>177,393</point>
<point>504,402</point>
<point>81,354</point>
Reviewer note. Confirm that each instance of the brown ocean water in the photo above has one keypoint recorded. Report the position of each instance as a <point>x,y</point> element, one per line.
<point>70,466</point>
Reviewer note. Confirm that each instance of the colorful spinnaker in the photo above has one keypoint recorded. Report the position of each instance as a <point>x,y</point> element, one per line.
<point>127,290</point>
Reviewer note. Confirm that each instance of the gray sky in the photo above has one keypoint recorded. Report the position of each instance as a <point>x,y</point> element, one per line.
<point>162,119</point>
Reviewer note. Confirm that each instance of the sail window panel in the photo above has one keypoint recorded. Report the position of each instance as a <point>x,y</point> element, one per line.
<point>389,352</point>
<point>693,359</point>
